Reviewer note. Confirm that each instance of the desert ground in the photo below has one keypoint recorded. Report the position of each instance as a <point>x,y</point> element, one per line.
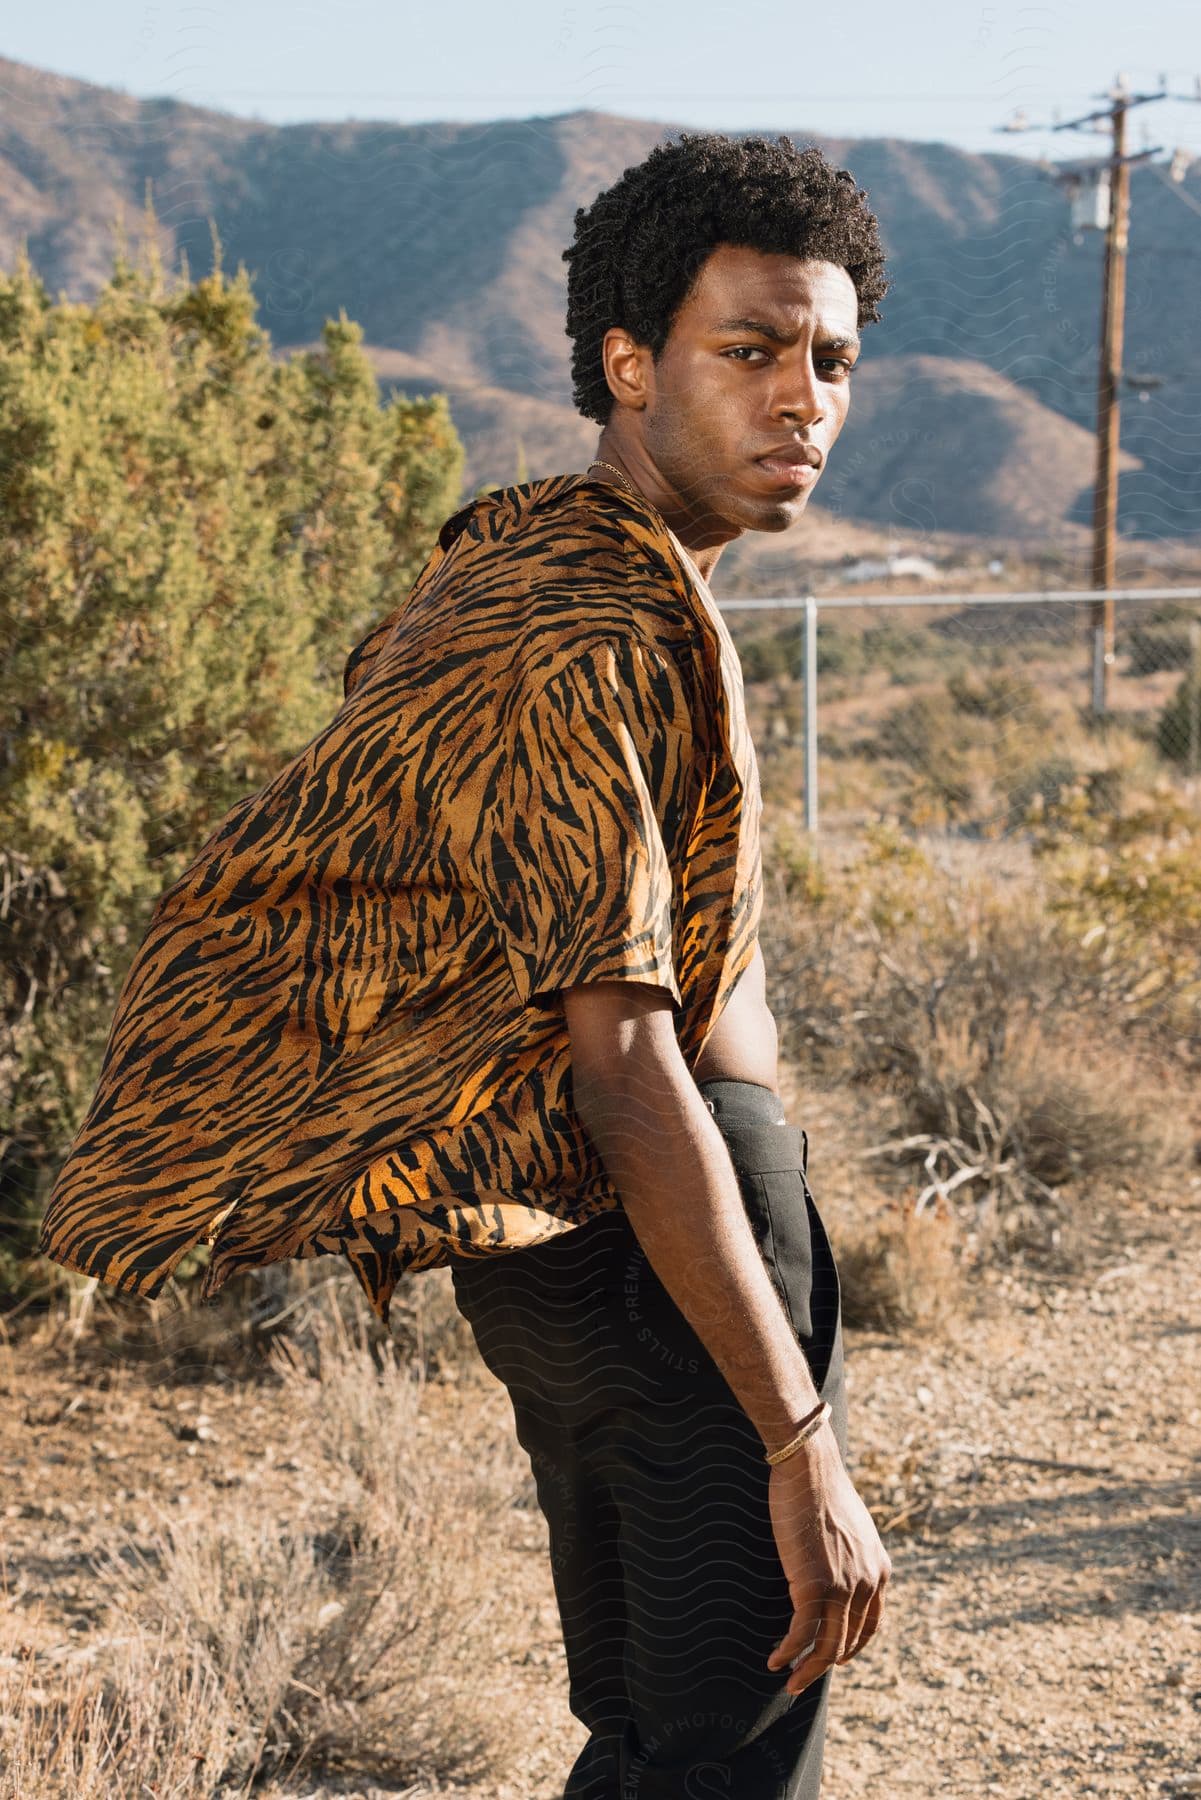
<point>1033,1463</point>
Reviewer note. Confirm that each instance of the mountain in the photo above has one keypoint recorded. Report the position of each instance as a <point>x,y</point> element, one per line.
<point>941,443</point>
<point>975,400</point>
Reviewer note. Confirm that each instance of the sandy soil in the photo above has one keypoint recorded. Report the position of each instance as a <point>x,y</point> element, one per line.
<point>1036,1474</point>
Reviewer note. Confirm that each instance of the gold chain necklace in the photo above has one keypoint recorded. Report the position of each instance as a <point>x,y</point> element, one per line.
<point>598,463</point>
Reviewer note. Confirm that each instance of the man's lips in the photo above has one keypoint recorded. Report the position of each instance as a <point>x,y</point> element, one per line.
<point>789,468</point>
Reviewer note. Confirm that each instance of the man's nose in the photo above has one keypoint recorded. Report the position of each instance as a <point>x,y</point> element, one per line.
<point>800,395</point>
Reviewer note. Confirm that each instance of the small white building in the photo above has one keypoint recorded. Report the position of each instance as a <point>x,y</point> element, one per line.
<point>883,568</point>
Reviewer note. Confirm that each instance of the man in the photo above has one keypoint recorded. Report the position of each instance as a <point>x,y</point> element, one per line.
<point>475,980</point>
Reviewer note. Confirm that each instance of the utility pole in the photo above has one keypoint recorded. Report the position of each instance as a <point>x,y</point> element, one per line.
<point>1107,187</point>
<point>1109,375</point>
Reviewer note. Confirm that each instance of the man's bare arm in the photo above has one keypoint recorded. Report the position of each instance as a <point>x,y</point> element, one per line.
<point>669,1162</point>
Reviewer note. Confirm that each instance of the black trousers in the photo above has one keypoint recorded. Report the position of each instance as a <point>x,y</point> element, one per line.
<point>654,1485</point>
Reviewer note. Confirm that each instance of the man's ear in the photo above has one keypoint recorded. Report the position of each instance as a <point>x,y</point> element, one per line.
<point>626,368</point>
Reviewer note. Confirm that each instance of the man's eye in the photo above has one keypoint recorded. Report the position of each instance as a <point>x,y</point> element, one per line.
<point>837,363</point>
<point>751,349</point>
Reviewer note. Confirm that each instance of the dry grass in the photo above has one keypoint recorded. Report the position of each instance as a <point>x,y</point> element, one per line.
<point>962,1015</point>
<point>901,1271</point>
<point>1019,1112</point>
<point>176,1340</point>
<point>239,1646</point>
<point>152,1722</point>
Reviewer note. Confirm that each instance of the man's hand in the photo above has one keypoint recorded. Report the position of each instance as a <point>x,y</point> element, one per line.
<point>836,1566</point>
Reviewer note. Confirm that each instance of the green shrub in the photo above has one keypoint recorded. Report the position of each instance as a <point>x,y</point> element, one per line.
<point>1000,697</point>
<point>1044,782</point>
<point>770,654</point>
<point>975,750</point>
<point>840,652</point>
<point>193,535</point>
<point>1178,732</point>
<point>1125,887</point>
<point>1154,647</point>
<point>899,649</point>
<point>925,734</point>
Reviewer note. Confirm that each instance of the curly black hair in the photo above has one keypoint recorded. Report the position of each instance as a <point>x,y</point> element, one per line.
<point>642,243</point>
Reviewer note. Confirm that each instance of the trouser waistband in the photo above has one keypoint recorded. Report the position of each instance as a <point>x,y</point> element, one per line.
<point>742,1102</point>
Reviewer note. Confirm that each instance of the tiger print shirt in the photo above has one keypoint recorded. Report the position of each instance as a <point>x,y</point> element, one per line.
<point>342,1032</point>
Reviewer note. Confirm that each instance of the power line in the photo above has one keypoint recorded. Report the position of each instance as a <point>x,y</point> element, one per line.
<point>823,98</point>
<point>1174,187</point>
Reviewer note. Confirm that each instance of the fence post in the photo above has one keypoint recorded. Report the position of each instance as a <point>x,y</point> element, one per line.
<point>1193,692</point>
<point>809,676</point>
<point>1101,660</point>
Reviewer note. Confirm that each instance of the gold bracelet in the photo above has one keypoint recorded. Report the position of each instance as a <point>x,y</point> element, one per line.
<point>811,1423</point>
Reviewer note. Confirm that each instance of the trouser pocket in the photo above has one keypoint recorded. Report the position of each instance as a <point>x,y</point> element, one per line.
<point>827,1285</point>
<point>780,1220</point>
<point>771,1162</point>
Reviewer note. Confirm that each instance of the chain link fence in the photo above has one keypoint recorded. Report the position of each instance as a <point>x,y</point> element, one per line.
<point>961,712</point>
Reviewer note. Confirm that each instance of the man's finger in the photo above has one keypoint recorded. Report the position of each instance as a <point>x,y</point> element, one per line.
<point>808,1611</point>
<point>869,1627</point>
<point>856,1619</point>
<point>826,1650</point>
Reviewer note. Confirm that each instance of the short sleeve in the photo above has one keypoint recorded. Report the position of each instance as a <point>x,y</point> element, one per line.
<point>578,847</point>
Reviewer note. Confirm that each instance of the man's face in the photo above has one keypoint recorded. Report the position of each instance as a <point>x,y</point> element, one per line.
<point>759,356</point>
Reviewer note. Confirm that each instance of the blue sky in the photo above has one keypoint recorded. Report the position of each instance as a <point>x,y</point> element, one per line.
<point>950,72</point>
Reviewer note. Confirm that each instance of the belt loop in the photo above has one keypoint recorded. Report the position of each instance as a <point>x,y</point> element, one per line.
<point>804,1151</point>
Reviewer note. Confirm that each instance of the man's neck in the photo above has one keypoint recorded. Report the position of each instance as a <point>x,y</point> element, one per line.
<point>699,541</point>
<point>705,560</point>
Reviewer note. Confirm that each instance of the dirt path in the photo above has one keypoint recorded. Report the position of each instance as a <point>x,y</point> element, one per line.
<point>1038,1474</point>
<point>1044,1632</point>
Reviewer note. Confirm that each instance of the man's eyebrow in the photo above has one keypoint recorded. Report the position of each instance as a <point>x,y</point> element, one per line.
<point>776,336</point>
